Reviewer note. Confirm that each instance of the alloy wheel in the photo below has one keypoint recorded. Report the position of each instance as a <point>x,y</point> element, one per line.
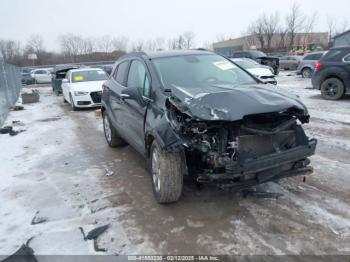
<point>156,169</point>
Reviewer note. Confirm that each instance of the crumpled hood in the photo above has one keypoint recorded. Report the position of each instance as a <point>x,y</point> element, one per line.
<point>231,104</point>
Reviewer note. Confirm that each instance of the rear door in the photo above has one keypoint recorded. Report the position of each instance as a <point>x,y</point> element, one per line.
<point>134,111</point>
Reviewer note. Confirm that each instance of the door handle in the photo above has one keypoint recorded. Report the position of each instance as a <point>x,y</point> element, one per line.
<point>124,96</point>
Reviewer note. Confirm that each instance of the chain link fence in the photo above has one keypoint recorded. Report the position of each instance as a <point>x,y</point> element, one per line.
<point>10,87</point>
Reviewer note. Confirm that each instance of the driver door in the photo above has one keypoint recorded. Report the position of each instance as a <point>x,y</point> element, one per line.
<point>134,110</point>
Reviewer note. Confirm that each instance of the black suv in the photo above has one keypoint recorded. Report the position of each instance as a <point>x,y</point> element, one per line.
<point>198,114</point>
<point>332,73</point>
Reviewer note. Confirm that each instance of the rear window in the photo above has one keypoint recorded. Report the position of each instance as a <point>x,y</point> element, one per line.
<point>335,55</point>
<point>313,57</point>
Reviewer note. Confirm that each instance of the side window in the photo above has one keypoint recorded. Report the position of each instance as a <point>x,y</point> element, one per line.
<point>138,78</point>
<point>308,57</point>
<point>317,56</point>
<point>121,72</point>
<point>334,55</point>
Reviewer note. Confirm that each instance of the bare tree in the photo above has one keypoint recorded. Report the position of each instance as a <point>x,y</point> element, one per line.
<point>309,26</point>
<point>105,44</point>
<point>269,27</point>
<point>257,29</point>
<point>10,50</point>
<point>334,27</point>
<point>71,45</point>
<point>138,46</point>
<point>188,39</point>
<point>172,44</point>
<point>180,43</point>
<point>294,22</point>
<point>331,24</point>
<point>120,43</point>
<point>36,44</point>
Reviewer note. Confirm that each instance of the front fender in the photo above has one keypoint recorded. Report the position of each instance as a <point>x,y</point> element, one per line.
<point>157,125</point>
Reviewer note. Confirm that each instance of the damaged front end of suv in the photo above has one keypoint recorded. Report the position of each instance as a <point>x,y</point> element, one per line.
<point>239,137</point>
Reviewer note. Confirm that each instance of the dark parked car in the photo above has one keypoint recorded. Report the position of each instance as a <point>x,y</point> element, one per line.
<point>26,78</point>
<point>198,114</point>
<point>259,57</point>
<point>332,73</point>
<point>307,64</point>
<point>58,74</point>
<point>290,62</point>
<point>107,68</point>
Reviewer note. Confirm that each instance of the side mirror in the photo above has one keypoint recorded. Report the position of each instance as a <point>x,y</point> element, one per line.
<point>64,81</point>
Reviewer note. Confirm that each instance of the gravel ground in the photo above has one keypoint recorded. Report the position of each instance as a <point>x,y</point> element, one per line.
<point>55,171</point>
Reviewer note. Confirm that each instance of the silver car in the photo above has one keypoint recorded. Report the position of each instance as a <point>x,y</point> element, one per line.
<point>290,62</point>
<point>306,66</point>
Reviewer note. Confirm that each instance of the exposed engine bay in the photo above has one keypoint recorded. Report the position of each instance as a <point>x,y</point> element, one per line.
<point>256,148</point>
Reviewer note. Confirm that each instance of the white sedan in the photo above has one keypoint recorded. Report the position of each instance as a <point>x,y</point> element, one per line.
<point>264,73</point>
<point>41,76</point>
<point>82,87</point>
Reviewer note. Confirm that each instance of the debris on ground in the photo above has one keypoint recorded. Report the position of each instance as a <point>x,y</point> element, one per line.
<point>32,97</point>
<point>37,219</point>
<point>16,132</point>
<point>17,123</point>
<point>98,112</point>
<point>94,234</point>
<point>109,172</point>
<point>17,108</point>
<point>23,254</point>
<point>5,129</point>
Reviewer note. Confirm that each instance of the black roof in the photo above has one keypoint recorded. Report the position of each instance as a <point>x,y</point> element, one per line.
<point>160,54</point>
<point>339,35</point>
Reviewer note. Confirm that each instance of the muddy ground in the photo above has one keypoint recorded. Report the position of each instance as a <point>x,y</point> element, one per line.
<point>55,171</point>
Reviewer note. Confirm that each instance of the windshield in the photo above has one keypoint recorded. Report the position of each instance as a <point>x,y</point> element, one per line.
<point>92,75</point>
<point>246,64</point>
<point>191,71</point>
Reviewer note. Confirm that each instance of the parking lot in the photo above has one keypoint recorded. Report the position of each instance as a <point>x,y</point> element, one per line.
<point>54,186</point>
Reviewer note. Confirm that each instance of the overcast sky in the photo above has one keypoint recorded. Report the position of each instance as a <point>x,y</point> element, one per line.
<point>147,19</point>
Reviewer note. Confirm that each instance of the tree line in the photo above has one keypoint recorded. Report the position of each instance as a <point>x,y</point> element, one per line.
<point>75,48</point>
<point>269,27</point>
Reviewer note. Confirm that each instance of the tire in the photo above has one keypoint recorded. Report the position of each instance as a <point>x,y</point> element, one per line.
<point>74,108</point>
<point>306,73</point>
<point>111,135</point>
<point>332,89</point>
<point>167,177</point>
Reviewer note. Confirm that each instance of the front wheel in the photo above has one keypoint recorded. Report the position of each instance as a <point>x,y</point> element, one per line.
<point>332,89</point>
<point>167,177</point>
<point>74,108</point>
<point>111,135</point>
